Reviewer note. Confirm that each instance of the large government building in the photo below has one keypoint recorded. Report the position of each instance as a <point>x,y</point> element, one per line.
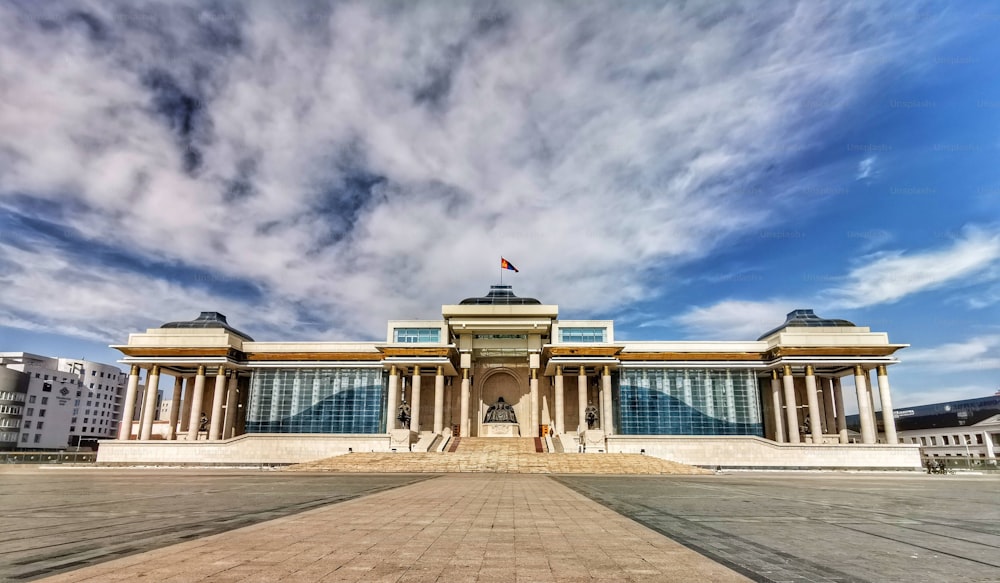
<point>507,366</point>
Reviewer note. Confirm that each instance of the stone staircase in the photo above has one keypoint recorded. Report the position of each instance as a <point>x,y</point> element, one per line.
<point>497,455</point>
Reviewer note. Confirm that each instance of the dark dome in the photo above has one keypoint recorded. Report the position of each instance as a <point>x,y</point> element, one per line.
<point>806,319</point>
<point>500,295</point>
<point>208,320</point>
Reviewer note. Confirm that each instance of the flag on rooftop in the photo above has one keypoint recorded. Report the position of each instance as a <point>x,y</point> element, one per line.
<point>504,264</point>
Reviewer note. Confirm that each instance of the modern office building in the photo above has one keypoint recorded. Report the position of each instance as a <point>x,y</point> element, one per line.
<point>957,429</point>
<point>55,403</point>
<point>507,366</point>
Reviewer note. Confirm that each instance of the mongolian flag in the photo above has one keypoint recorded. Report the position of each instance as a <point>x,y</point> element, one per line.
<point>504,264</point>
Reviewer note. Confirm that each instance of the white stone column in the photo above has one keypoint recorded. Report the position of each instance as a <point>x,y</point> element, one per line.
<point>888,418</point>
<point>232,406</point>
<point>560,402</point>
<point>415,400</point>
<point>864,406</point>
<point>838,401</point>
<point>815,421</point>
<point>464,406</point>
<point>607,422</point>
<point>779,423</point>
<point>149,402</point>
<point>439,401</point>
<point>125,427</point>
<point>988,442</point>
<point>175,408</point>
<point>533,403</point>
<point>581,391</point>
<point>194,419</point>
<point>791,407</point>
<point>218,398</point>
<point>392,399</point>
<point>186,404</point>
<point>828,410</point>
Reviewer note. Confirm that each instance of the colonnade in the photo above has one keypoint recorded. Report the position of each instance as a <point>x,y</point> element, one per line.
<point>396,394</point>
<point>185,419</point>
<point>826,413</point>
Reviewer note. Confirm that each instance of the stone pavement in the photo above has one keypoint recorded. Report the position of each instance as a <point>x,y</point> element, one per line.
<point>455,528</point>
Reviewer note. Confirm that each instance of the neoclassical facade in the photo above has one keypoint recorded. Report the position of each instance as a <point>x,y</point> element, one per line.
<point>568,382</point>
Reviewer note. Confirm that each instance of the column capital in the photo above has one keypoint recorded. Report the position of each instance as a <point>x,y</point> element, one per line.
<point>440,370</point>
<point>558,371</point>
<point>607,370</point>
<point>583,371</point>
<point>221,372</point>
<point>881,371</point>
<point>201,370</point>
<point>465,373</point>
<point>534,374</point>
<point>810,371</point>
<point>787,370</point>
<point>774,374</point>
<point>154,370</point>
<point>859,371</point>
<point>134,370</point>
<point>392,370</point>
<point>416,370</point>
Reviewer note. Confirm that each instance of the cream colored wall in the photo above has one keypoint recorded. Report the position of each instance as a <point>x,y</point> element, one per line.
<point>755,452</point>
<point>244,450</point>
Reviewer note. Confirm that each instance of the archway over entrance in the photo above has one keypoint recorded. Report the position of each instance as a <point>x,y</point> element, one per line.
<point>506,383</point>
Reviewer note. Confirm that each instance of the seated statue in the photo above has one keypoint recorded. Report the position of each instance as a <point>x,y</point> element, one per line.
<point>500,412</point>
<point>590,414</point>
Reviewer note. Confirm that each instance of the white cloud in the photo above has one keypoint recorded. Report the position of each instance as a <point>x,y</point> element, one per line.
<point>586,143</point>
<point>977,353</point>
<point>735,319</point>
<point>889,276</point>
<point>866,168</point>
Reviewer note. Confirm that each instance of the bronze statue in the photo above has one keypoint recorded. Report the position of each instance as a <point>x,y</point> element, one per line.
<point>404,414</point>
<point>590,414</point>
<point>500,412</point>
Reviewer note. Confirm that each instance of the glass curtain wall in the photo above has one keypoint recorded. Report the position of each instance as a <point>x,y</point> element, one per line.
<point>660,401</point>
<point>317,400</point>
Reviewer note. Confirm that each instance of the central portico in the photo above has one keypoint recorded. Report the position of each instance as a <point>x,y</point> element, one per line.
<point>496,342</point>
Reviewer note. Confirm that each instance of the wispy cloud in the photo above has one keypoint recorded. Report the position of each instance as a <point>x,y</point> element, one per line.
<point>977,353</point>
<point>866,168</point>
<point>359,161</point>
<point>889,276</point>
<point>735,319</point>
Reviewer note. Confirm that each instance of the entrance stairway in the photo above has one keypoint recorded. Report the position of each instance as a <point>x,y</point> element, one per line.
<point>498,455</point>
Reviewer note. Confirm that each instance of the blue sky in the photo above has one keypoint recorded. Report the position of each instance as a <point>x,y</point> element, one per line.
<point>691,170</point>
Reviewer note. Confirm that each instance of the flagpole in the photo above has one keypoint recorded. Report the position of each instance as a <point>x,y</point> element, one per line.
<point>501,271</point>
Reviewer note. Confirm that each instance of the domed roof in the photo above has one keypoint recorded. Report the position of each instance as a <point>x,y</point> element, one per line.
<point>500,295</point>
<point>208,320</point>
<point>806,319</point>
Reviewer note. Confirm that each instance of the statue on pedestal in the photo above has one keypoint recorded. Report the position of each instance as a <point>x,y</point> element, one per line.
<point>590,414</point>
<point>500,412</point>
<point>403,414</point>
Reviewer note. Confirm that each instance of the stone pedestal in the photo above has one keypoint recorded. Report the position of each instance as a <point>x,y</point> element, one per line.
<point>400,439</point>
<point>501,430</point>
<point>593,441</point>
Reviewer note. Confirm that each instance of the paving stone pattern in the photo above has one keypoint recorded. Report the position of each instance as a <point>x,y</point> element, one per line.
<point>822,527</point>
<point>456,528</point>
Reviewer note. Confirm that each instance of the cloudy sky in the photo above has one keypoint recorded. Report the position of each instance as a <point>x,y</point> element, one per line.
<point>692,170</point>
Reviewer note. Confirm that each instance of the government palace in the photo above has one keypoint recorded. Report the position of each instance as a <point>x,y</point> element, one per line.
<point>502,366</point>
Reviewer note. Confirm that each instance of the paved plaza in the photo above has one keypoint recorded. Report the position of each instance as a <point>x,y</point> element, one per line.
<point>226,525</point>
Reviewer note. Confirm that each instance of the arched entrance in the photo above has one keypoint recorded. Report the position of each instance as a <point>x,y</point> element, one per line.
<point>508,384</point>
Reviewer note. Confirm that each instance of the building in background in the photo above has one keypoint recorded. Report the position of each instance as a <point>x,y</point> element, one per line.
<point>55,403</point>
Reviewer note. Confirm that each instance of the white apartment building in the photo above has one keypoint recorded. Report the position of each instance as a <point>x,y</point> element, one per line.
<point>53,403</point>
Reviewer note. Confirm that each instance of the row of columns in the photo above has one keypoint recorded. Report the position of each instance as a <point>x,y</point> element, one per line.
<point>534,419</point>
<point>831,412</point>
<point>184,417</point>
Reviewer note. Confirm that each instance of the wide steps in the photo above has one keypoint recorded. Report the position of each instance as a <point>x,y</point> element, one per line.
<point>497,462</point>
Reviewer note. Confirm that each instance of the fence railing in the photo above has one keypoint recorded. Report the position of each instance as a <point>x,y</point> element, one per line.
<point>42,457</point>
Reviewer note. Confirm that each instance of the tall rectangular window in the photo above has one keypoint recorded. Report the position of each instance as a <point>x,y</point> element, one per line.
<point>662,401</point>
<point>583,334</point>
<point>331,400</point>
<point>417,335</point>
